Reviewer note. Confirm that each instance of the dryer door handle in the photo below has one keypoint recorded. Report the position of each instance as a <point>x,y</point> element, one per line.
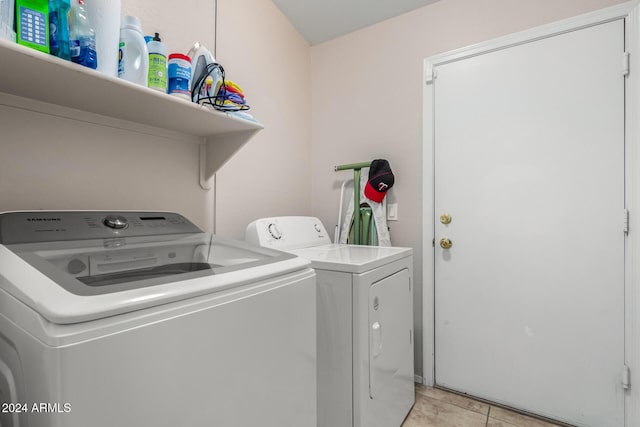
<point>376,339</point>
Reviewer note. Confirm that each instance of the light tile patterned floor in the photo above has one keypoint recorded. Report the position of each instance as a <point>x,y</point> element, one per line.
<point>438,408</point>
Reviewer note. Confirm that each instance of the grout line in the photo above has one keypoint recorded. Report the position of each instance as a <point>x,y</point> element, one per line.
<point>486,424</point>
<point>523,413</point>
<point>455,393</point>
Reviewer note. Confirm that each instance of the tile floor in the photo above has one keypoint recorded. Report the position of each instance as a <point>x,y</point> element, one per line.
<point>438,408</point>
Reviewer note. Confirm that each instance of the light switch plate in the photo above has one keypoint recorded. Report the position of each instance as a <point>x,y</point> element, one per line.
<point>392,212</point>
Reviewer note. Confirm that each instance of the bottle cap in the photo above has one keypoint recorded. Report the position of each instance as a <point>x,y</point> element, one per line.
<point>131,22</point>
<point>157,37</point>
<point>179,56</point>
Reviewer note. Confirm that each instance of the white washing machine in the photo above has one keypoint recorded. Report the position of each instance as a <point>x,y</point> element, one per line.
<point>141,319</point>
<point>365,322</point>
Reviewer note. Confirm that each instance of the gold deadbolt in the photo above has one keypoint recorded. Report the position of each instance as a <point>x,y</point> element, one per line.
<point>445,218</point>
<point>445,243</point>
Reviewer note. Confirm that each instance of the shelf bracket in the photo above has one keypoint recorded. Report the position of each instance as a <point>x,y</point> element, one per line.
<point>204,182</point>
<point>216,150</point>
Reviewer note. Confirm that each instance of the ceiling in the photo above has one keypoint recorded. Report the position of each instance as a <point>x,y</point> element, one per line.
<point>322,20</point>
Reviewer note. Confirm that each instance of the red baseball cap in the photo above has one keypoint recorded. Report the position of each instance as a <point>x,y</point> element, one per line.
<point>380,180</point>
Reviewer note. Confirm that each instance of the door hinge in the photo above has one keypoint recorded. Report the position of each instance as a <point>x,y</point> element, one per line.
<point>430,75</point>
<point>410,284</point>
<point>626,377</point>
<point>625,64</point>
<point>625,221</point>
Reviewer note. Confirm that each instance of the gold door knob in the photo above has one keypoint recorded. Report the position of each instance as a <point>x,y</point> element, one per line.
<point>445,218</point>
<point>445,243</point>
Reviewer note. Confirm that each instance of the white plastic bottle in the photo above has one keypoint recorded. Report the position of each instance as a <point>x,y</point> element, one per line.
<point>105,18</point>
<point>157,64</point>
<point>133,56</point>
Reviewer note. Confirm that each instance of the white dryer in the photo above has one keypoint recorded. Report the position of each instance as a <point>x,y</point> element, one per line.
<point>141,319</point>
<point>365,322</point>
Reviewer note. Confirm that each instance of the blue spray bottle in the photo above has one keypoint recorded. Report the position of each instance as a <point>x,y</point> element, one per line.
<point>59,28</point>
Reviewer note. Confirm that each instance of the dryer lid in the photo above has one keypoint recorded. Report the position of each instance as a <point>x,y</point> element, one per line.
<point>351,258</point>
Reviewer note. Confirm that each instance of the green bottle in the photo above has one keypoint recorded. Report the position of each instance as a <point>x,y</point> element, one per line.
<point>157,78</point>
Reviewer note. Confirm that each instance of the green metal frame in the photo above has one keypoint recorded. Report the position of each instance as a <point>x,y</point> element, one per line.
<point>356,167</point>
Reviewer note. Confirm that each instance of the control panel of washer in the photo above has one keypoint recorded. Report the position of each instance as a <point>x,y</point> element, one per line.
<point>50,226</point>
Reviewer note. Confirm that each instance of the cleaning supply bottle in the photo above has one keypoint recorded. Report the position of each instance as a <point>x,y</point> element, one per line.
<point>82,36</point>
<point>133,59</point>
<point>59,28</point>
<point>179,71</point>
<point>157,64</point>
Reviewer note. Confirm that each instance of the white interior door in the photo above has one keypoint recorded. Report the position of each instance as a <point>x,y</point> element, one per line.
<point>529,164</point>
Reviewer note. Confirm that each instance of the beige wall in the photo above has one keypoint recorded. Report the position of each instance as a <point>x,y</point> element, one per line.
<point>367,100</point>
<point>270,176</point>
<point>180,24</point>
<point>49,162</point>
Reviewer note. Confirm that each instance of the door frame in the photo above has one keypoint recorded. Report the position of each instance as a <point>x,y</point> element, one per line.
<point>630,12</point>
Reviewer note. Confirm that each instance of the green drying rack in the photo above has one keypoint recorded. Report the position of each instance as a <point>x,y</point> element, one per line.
<point>357,225</point>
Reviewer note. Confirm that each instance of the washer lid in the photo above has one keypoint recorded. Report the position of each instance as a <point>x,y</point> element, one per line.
<point>351,258</point>
<point>49,266</point>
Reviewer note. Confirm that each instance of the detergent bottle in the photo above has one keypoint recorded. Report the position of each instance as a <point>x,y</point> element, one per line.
<point>133,57</point>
